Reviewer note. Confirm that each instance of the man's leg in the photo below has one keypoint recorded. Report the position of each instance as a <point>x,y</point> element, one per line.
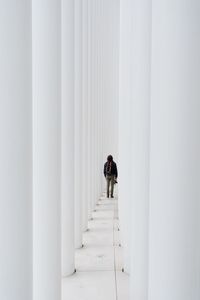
<point>112,186</point>
<point>108,186</point>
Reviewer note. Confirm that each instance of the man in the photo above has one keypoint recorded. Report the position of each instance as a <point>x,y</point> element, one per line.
<point>110,173</point>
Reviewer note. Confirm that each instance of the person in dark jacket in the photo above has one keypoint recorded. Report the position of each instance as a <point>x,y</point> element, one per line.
<point>111,174</point>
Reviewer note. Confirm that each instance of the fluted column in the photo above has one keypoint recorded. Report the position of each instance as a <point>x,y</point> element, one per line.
<point>46,18</point>
<point>174,256</point>
<point>78,124</point>
<point>15,151</point>
<point>67,167</point>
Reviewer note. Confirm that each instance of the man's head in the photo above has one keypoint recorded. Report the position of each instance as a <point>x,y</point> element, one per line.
<point>109,158</point>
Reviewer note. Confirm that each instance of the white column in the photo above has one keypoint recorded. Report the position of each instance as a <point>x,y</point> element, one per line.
<point>175,146</point>
<point>46,150</point>
<point>110,71</point>
<point>125,120</point>
<point>94,99</point>
<point>100,88</point>
<point>101,96</point>
<point>85,132</point>
<point>78,123</point>
<point>67,167</point>
<point>92,104</point>
<point>15,151</point>
<point>114,41</point>
<point>134,146</point>
<point>99,144</point>
<point>90,135</point>
<point>97,104</point>
<point>141,63</point>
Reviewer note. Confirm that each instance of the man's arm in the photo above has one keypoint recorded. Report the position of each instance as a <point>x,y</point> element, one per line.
<point>116,171</point>
<point>104,170</point>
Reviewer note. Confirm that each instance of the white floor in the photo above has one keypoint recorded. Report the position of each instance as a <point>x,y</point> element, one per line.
<point>99,263</point>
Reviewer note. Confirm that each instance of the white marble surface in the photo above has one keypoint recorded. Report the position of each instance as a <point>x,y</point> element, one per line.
<point>99,263</point>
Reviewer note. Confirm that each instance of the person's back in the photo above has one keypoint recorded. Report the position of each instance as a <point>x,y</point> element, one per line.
<point>111,174</point>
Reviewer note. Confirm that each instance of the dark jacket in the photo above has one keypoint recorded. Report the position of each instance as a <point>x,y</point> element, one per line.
<point>113,169</point>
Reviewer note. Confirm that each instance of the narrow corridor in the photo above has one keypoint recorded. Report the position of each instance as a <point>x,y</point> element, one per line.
<point>99,263</point>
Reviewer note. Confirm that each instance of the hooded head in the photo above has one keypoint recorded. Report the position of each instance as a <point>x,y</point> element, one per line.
<point>109,158</point>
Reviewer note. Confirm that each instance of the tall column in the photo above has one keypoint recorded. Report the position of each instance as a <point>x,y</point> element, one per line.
<point>141,68</point>
<point>85,133</point>
<point>15,151</point>
<point>110,28</point>
<point>89,121</point>
<point>101,95</point>
<point>78,123</point>
<point>100,101</point>
<point>67,167</point>
<point>96,99</point>
<point>46,149</point>
<point>92,103</point>
<point>96,103</point>
<point>134,140</point>
<point>125,119</point>
<point>114,14</point>
<point>174,256</point>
